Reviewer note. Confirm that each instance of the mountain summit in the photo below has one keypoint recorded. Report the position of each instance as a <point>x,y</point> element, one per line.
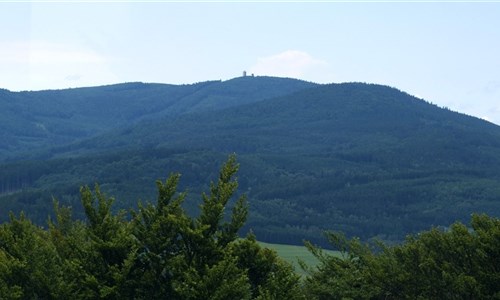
<point>366,159</point>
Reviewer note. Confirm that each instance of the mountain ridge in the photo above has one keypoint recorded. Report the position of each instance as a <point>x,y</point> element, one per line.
<point>366,159</point>
<point>32,120</point>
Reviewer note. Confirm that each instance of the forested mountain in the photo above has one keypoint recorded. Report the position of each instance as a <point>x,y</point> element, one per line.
<point>368,160</point>
<point>160,252</point>
<point>34,120</point>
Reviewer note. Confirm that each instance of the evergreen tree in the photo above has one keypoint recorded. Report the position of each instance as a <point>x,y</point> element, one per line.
<point>158,253</point>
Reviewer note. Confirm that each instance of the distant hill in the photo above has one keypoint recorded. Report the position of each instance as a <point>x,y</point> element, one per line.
<point>36,120</point>
<point>366,159</point>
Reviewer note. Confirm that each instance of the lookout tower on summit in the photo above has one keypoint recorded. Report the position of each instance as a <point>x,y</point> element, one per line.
<point>245,74</point>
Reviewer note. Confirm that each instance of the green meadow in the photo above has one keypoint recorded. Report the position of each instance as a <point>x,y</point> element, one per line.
<point>292,254</point>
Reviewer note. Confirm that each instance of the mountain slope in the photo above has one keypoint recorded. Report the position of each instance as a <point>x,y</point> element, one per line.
<point>33,120</point>
<point>365,159</point>
<point>345,119</point>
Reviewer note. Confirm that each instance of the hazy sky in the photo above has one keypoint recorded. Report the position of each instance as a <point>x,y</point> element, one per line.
<point>446,53</point>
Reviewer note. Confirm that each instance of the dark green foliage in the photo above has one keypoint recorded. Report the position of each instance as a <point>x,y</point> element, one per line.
<point>33,120</point>
<point>457,263</point>
<point>25,261</point>
<point>212,209</point>
<point>367,160</point>
<point>270,278</point>
<point>160,253</point>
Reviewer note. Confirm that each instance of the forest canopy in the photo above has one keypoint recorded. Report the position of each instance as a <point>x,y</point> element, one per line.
<point>365,159</point>
<point>159,251</point>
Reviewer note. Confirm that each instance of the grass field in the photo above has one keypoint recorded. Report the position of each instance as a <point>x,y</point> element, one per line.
<point>292,254</point>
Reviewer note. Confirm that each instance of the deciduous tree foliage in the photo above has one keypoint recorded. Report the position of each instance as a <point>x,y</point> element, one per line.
<point>457,263</point>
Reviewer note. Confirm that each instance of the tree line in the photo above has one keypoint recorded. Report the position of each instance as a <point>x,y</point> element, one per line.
<point>158,251</point>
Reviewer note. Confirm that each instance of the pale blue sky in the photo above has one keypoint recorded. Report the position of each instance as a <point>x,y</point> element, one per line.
<point>446,53</point>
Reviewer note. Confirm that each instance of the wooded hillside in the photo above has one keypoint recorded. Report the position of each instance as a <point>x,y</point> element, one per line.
<point>364,159</point>
<point>161,252</point>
